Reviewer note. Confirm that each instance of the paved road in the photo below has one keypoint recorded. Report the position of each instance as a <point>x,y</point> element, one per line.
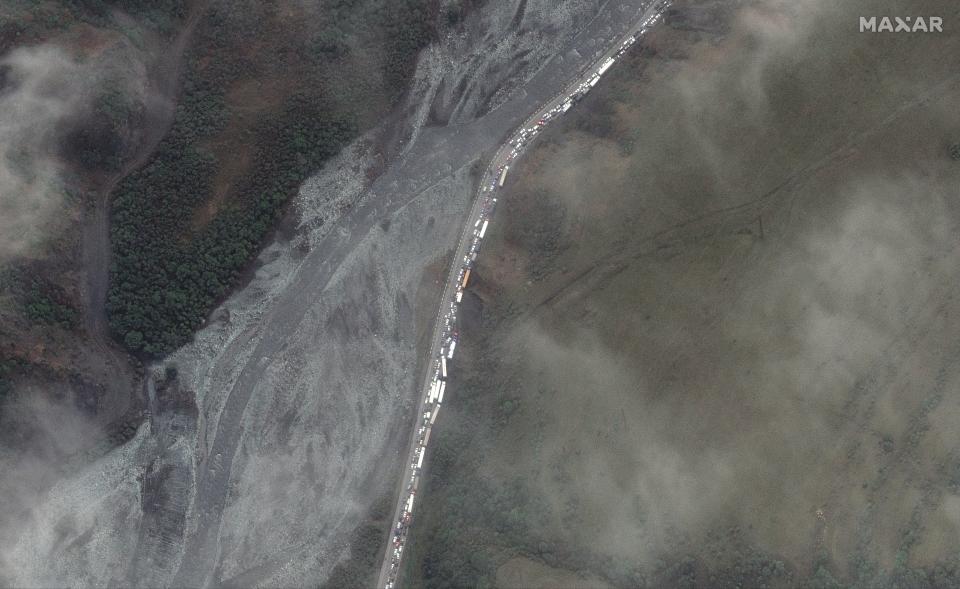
<point>245,361</point>
<point>445,321</point>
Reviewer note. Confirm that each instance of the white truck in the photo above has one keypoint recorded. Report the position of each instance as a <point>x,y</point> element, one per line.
<point>605,66</point>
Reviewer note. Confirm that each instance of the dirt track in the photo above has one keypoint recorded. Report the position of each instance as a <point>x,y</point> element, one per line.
<point>162,93</point>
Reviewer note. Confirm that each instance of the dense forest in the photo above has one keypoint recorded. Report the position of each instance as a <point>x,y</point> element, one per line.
<point>174,259</point>
<point>267,93</point>
<point>164,14</point>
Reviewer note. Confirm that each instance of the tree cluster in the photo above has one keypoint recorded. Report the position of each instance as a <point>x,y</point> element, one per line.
<point>165,279</point>
<point>167,274</point>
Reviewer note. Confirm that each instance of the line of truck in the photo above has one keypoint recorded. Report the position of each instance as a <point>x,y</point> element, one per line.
<point>526,134</point>
<point>496,177</point>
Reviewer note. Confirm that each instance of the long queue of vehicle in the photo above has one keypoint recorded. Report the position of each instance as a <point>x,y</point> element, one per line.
<point>450,334</point>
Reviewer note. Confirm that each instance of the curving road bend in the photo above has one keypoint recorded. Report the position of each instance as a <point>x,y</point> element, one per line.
<point>444,336</point>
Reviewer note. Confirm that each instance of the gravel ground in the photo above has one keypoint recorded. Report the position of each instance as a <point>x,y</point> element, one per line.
<point>304,380</point>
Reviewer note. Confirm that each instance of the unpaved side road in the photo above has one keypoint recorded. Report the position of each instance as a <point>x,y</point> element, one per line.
<point>161,101</point>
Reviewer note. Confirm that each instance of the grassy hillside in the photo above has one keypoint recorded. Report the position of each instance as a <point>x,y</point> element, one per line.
<point>711,339</point>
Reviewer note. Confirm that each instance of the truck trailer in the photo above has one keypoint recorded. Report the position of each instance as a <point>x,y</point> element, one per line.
<point>606,65</point>
<point>483,229</point>
<point>503,175</point>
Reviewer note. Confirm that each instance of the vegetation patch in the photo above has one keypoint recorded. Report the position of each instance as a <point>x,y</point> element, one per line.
<point>180,239</point>
<point>359,569</point>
